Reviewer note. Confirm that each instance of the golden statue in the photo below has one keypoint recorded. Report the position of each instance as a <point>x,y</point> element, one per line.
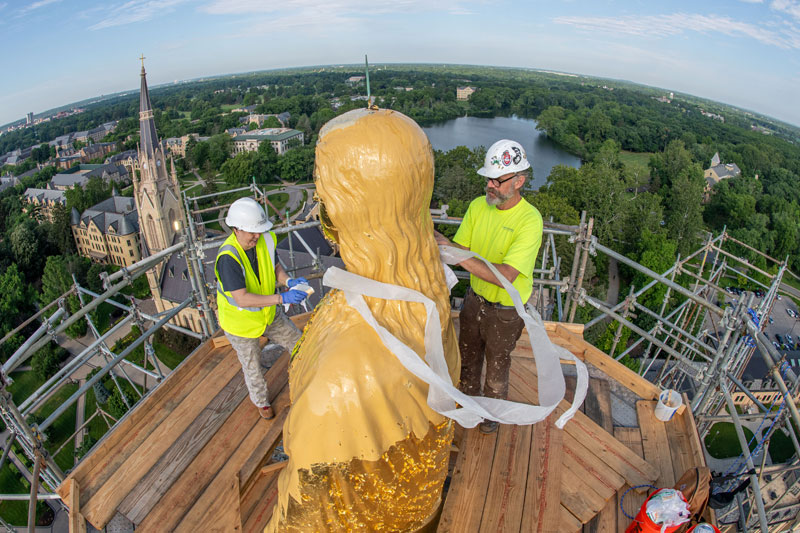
<point>366,452</point>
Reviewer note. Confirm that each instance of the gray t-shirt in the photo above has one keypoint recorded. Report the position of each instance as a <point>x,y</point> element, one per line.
<point>231,275</point>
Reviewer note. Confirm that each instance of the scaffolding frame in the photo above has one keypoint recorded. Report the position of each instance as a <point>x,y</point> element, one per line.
<point>695,344</point>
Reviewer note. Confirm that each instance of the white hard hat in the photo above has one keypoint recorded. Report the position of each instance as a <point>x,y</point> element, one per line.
<point>504,157</point>
<point>246,214</point>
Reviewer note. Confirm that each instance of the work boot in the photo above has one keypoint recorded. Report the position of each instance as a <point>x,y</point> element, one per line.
<point>488,426</point>
<point>267,412</point>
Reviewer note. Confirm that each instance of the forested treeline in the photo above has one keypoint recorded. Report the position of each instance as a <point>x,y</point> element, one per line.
<point>650,217</point>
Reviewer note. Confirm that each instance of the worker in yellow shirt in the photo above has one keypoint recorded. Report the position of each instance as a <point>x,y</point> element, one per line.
<point>505,229</point>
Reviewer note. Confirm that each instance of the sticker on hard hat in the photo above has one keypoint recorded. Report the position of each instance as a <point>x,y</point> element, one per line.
<point>517,155</point>
<point>506,158</point>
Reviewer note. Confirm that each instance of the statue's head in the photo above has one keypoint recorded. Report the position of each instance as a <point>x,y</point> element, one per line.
<point>374,168</point>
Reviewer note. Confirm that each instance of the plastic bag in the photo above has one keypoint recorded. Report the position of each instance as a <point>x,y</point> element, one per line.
<point>668,508</point>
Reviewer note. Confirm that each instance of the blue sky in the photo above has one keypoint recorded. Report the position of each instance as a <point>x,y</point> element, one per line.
<point>741,52</point>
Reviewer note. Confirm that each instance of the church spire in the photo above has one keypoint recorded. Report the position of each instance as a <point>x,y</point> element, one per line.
<point>147,123</point>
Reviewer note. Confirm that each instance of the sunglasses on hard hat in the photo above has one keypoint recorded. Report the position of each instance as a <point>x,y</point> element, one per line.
<point>498,182</point>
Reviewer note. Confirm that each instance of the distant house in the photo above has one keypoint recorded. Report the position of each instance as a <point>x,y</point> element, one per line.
<point>354,80</point>
<point>46,200</point>
<point>278,137</point>
<point>463,93</point>
<point>8,181</point>
<point>108,232</point>
<point>720,171</point>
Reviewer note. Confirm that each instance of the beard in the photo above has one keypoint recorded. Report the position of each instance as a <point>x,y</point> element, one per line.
<point>495,197</point>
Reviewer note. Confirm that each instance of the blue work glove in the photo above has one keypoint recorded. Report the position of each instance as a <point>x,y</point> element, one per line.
<point>291,282</point>
<point>293,297</point>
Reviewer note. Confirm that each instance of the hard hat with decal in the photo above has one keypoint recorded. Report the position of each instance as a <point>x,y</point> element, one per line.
<point>246,214</point>
<point>504,157</point>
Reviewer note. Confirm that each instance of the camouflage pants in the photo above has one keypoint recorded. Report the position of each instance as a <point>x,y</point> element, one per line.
<point>281,331</point>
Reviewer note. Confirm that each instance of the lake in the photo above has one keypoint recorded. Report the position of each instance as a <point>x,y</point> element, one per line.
<point>472,132</point>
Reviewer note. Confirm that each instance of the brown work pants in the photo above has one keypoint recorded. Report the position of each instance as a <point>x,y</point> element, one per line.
<point>486,331</point>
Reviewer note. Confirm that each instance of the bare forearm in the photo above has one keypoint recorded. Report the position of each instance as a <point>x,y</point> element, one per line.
<point>478,268</point>
<point>248,299</point>
<point>281,276</point>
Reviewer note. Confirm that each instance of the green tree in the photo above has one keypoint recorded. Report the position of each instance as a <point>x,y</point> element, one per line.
<point>61,231</point>
<point>56,280</point>
<point>297,164</point>
<point>667,166</point>
<point>26,248</point>
<point>272,122</point>
<point>45,362</point>
<point>658,253</point>
<point>455,183</point>
<point>684,210</point>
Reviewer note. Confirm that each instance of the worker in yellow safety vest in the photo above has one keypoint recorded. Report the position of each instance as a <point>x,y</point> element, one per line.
<point>505,229</point>
<point>247,303</point>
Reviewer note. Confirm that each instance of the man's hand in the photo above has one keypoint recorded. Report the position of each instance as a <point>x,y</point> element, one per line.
<point>441,240</point>
<point>291,282</point>
<point>293,297</point>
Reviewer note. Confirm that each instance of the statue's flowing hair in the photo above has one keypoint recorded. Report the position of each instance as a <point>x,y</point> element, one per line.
<point>374,176</point>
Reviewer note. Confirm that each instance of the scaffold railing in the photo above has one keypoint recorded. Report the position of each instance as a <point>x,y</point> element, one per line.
<point>693,340</point>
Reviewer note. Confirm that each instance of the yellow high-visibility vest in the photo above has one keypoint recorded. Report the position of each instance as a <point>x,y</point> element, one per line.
<point>249,322</point>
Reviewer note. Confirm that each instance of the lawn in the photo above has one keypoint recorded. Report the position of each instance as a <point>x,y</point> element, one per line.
<point>25,384</point>
<point>62,428</point>
<point>637,162</point>
<point>279,201</point>
<point>780,447</point>
<point>722,442</point>
<point>16,512</point>
<point>226,108</point>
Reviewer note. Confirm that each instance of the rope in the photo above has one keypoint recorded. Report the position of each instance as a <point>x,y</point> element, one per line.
<point>622,498</point>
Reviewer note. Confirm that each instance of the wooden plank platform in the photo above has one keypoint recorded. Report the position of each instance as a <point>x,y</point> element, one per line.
<point>192,454</point>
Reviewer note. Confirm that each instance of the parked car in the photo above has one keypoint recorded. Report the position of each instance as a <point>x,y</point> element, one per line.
<point>779,338</point>
<point>790,313</point>
<point>776,345</point>
<point>771,320</point>
<point>789,339</point>
<point>779,297</point>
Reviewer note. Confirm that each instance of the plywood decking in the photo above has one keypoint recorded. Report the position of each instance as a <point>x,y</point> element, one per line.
<point>189,457</point>
<point>181,459</point>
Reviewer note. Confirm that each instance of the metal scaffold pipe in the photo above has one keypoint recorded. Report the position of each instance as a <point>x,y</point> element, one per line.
<point>146,316</point>
<point>680,330</point>
<point>630,325</point>
<point>138,268</point>
<point>94,379</point>
<point>24,351</point>
<point>676,287</point>
<point>745,262</point>
<point>39,313</point>
<point>37,398</point>
<point>755,485</point>
<point>37,464</point>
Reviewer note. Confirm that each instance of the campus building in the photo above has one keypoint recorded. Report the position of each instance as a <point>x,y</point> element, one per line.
<point>278,137</point>
<point>108,232</point>
<point>45,200</point>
